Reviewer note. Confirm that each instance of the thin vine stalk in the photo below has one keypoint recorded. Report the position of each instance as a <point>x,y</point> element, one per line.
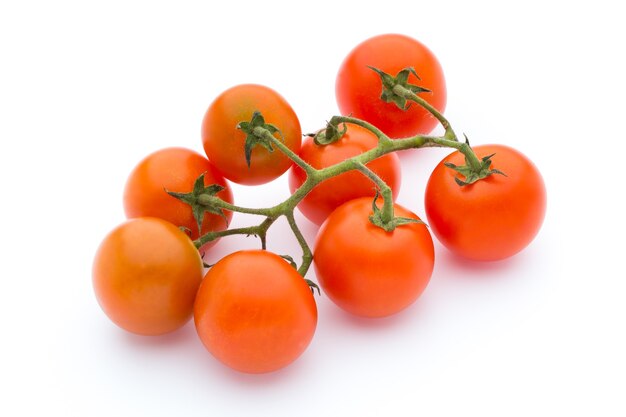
<point>315,176</point>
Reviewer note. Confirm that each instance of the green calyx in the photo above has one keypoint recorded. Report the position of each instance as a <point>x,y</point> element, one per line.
<point>393,87</point>
<point>202,200</point>
<point>257,133</point>
<point>378,218</point>
<point>331,134</point>
<point>472,175</point>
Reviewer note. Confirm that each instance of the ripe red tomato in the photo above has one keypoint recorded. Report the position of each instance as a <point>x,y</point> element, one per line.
<point>493,218</point>
<point>358,88</point>
<point>332,193</point>
<point>254,312</point>
<point>367,271</point>
<point>146,274</point>
<point>224,142</point>
<point>174,169</point>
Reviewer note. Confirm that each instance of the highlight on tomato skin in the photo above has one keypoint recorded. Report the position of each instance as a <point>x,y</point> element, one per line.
<point>224,141</point>
<point>493,218</point>
<point>174,169</point>
<point>358,88</point>
<point>366,270</point>
<point>330,194</point>
<point>146,274</point>
<point>254,312</point>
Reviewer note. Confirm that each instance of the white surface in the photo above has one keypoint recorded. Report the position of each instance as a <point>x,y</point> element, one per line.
<point>87,90</point>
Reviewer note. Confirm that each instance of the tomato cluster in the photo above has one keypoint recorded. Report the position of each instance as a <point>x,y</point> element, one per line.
<point>253,310</point>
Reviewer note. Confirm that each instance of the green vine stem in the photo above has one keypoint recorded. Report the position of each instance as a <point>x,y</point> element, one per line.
<point>316,176</point>
<point>307,254</point>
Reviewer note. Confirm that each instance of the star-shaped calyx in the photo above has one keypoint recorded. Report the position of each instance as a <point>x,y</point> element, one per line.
<point>257,133</point>
<point>471,173</point>
<point>377,218</point>
<point>202,199</point>
<point>391,94</point>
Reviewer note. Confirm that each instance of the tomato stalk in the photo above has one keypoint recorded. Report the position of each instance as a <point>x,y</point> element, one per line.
<point>316,176</point>
<point>260,133</point>
<point>307,254</point>
<point>259,230</point>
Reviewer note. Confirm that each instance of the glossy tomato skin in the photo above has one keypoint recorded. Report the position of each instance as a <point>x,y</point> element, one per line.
<point>332,193</point>
<point>224,143</point>
<point>254,312</point>
<point>493,218</point>
<point>173,169</point>
<point>358,88</point>
<point>367,271</point>
<point>145,276</point>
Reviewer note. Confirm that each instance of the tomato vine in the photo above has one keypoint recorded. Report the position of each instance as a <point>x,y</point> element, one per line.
<point>260,133</point>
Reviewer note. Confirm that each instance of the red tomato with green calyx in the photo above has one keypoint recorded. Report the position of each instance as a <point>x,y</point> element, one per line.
<point>366,270</point>
<point>224,141</point>
<point>493,218</point>
<point>358,88</point>
<point>174,169</point>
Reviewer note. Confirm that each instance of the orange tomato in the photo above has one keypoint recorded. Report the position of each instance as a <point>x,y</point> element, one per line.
<point>358,88</point>
<point>254,312</point>
<point>174,169</point>
<point>145,275</point>
<point>224,142</point>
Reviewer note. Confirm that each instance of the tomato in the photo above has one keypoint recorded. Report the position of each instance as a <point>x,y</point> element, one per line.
<point>224,142</point>
<point>146,274</point>
<point>254,312</point>
<point>493,218</point>
<point>332,193</point>
<point>358,88</point>
<point>367,271</point>
<point>174,169</point>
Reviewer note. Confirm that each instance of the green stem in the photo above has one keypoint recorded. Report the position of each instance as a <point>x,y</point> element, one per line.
<point>307,255</point>
<point>316,176</point>
<point>410,95</point>
<point>462,147</point>
<point>264,133</point>
<point>385,191</point>
<point>348,119</point>
<point>259,230</point>
<point>213,201</point>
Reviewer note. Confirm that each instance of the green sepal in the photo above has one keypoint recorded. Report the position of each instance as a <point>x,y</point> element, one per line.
<point>204,264</point>
<point>472,175</point>
<point>408,220</point>
<point>255,134</point>
<point>377,218</point>
<point>200,200</point>
<point>290,260</point>
<point>331,134</point>
<point>185,230</point>
<point>313,286</point>
<point>401,79</point>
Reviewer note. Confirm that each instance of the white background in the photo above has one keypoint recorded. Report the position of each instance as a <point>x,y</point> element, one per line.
<point>88,89</point>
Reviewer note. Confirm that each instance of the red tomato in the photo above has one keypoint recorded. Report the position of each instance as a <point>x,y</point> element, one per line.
<point>493,218</point>
<point>358,88</point>
<point>367,271</point>
<point>254,312</point>
<point>173,169</point>
<point>332,193</point>
<point>224,142</point>
<point>145,275</point>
